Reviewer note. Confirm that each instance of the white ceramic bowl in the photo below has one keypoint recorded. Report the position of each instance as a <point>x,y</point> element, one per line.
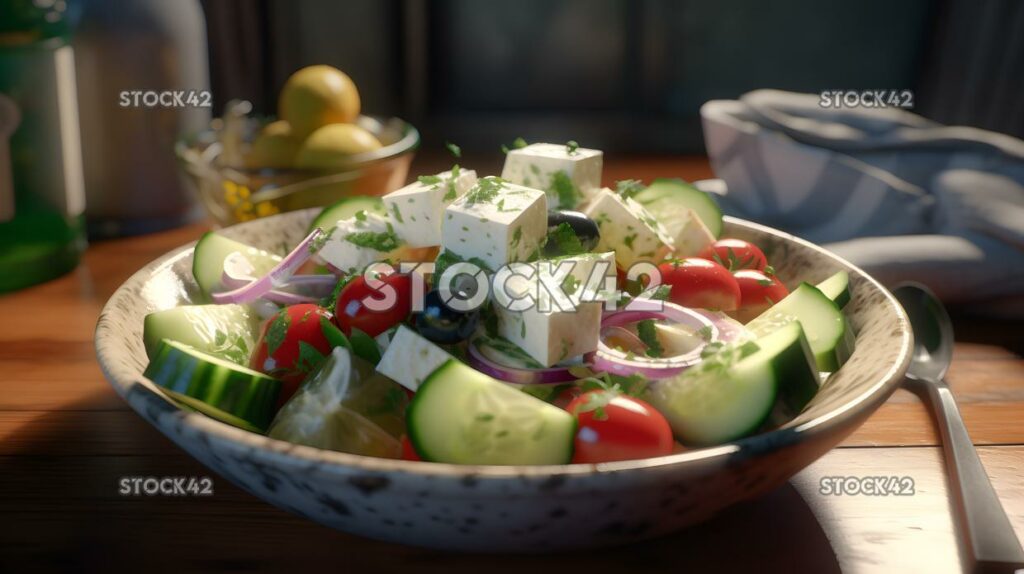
<point>521,509</point>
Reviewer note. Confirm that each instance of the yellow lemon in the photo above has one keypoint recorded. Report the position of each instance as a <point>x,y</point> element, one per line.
<point>274,147</point>
<point>317,96</point>
<point>330,146</point>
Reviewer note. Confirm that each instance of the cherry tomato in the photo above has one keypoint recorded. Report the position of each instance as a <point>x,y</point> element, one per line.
<point>611,426</point>
<point>758,291</point>
<point>408,452</point>
<point>702,283</point>
<point>374,309</point>
<point>566,396</point>
<point>292,344</point>
<point>736,254</point>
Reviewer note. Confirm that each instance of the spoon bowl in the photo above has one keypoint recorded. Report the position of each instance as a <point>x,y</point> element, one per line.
<point>933,331</point>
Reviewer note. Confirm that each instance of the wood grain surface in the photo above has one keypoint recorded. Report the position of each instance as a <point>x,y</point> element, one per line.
<point>66,440</point>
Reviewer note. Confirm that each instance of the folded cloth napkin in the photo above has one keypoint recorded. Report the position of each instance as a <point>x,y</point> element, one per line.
<point>901,196</point>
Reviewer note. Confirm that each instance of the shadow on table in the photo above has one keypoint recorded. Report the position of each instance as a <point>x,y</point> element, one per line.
<point>60,510</point>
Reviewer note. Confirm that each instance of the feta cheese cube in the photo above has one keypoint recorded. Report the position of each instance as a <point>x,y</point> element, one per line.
<point>496,222</point>
<point>410,358</point>
<point>560,171</point>
<point>592,277</point>
<point>550,336</point>
<point>628,229</point>
<point>689,234</point>
<point>417,209</point>
<point>361,240</point>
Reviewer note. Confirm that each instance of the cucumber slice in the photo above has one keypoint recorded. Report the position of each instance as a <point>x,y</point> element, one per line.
<point>821,319</point>
<point>212,250</point>
<point>225,331</point>
<point>837,288</point>
<point>666,198</point>
<point>225,391</point>
<point>460,415</point>
<point>733,392</point>
<point>345,209</point>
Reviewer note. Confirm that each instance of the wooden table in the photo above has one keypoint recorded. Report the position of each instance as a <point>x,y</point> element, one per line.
<point>66,439</point>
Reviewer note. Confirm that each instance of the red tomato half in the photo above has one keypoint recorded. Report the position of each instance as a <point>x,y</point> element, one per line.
<point>408,452</point>
<point>374,309</point>
<point>758,291</point>
<point>292,344</point>
<point>736,254</point>
<point>701,283</point>
<point>611,427</point>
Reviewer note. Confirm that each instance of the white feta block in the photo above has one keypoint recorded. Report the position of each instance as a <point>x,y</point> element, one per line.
<point>689,235</point>
<point>546,166</point>
<point>361,240</point>
<point>417,209</point>
<point>592,277</point>
<point>410,358</point>
<point>554,335</point>
<point>628,229</point>
<point>497,222</point>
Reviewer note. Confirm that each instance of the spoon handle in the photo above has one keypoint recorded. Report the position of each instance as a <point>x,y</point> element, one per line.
<point>990,536</point>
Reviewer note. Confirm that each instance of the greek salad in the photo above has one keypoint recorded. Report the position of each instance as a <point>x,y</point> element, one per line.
<point>534,317</point>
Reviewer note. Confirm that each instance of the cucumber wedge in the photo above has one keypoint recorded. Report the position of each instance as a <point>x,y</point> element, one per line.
<point>225,391</point>
<point>345,209</point>
<point>821,319</point>
<point>735,391</point>
<point>460,415</point>
<point>667,199</point>
<point>212,250</point>
<point>225,331</point>
<point>837,288</point>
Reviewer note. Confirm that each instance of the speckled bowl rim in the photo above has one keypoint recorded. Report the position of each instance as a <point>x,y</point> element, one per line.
<point>129,384</point>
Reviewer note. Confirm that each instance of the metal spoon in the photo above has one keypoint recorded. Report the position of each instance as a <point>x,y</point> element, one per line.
<point>989,536</point>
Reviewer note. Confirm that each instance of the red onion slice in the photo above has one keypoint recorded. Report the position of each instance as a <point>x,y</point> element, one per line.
<point>517,375</point>
<point>619,363</point>
<point>277,276</point>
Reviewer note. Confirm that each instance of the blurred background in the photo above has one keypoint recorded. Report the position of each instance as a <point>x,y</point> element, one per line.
<point>88,157</point>
<point>626,76</point>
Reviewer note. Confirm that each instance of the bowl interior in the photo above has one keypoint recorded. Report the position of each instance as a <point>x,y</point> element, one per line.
<point>877,365</point>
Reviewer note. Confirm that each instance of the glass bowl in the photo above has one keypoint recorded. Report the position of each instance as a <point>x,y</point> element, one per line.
<point>232,193</point>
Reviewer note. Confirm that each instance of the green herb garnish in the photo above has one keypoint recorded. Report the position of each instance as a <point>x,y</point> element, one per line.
<point>377,240</point>
<point>571,146</point>
<point>563,190</point>
<point>649,335</point>
<point>453,149</point>
<point>628,188</point>
<point>562,240</point>
<point>485,190</point>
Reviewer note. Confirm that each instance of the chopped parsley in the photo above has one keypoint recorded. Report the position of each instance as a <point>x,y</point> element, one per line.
<point>429,179</point>
<point>517,143</point>
<point>629,239</point>
<point>517,236</point>
<point>485,190</point>
<point>453,149</point>
<point>379,241</point>
<point>562,240</point>
<point>563,190</point>
<point>310,358</point>
<point>318,243</point>
<point>277,331</point>
<point>570,285</point>
<point>705,332</point>
<point>452,193</point>
<point>649,335</point>
<point>571,146</point>
<point>397,213</point>
<point>628,188</point>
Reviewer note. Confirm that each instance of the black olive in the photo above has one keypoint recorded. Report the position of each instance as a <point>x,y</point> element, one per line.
<point>586,229</point>
<point>442,324</point>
